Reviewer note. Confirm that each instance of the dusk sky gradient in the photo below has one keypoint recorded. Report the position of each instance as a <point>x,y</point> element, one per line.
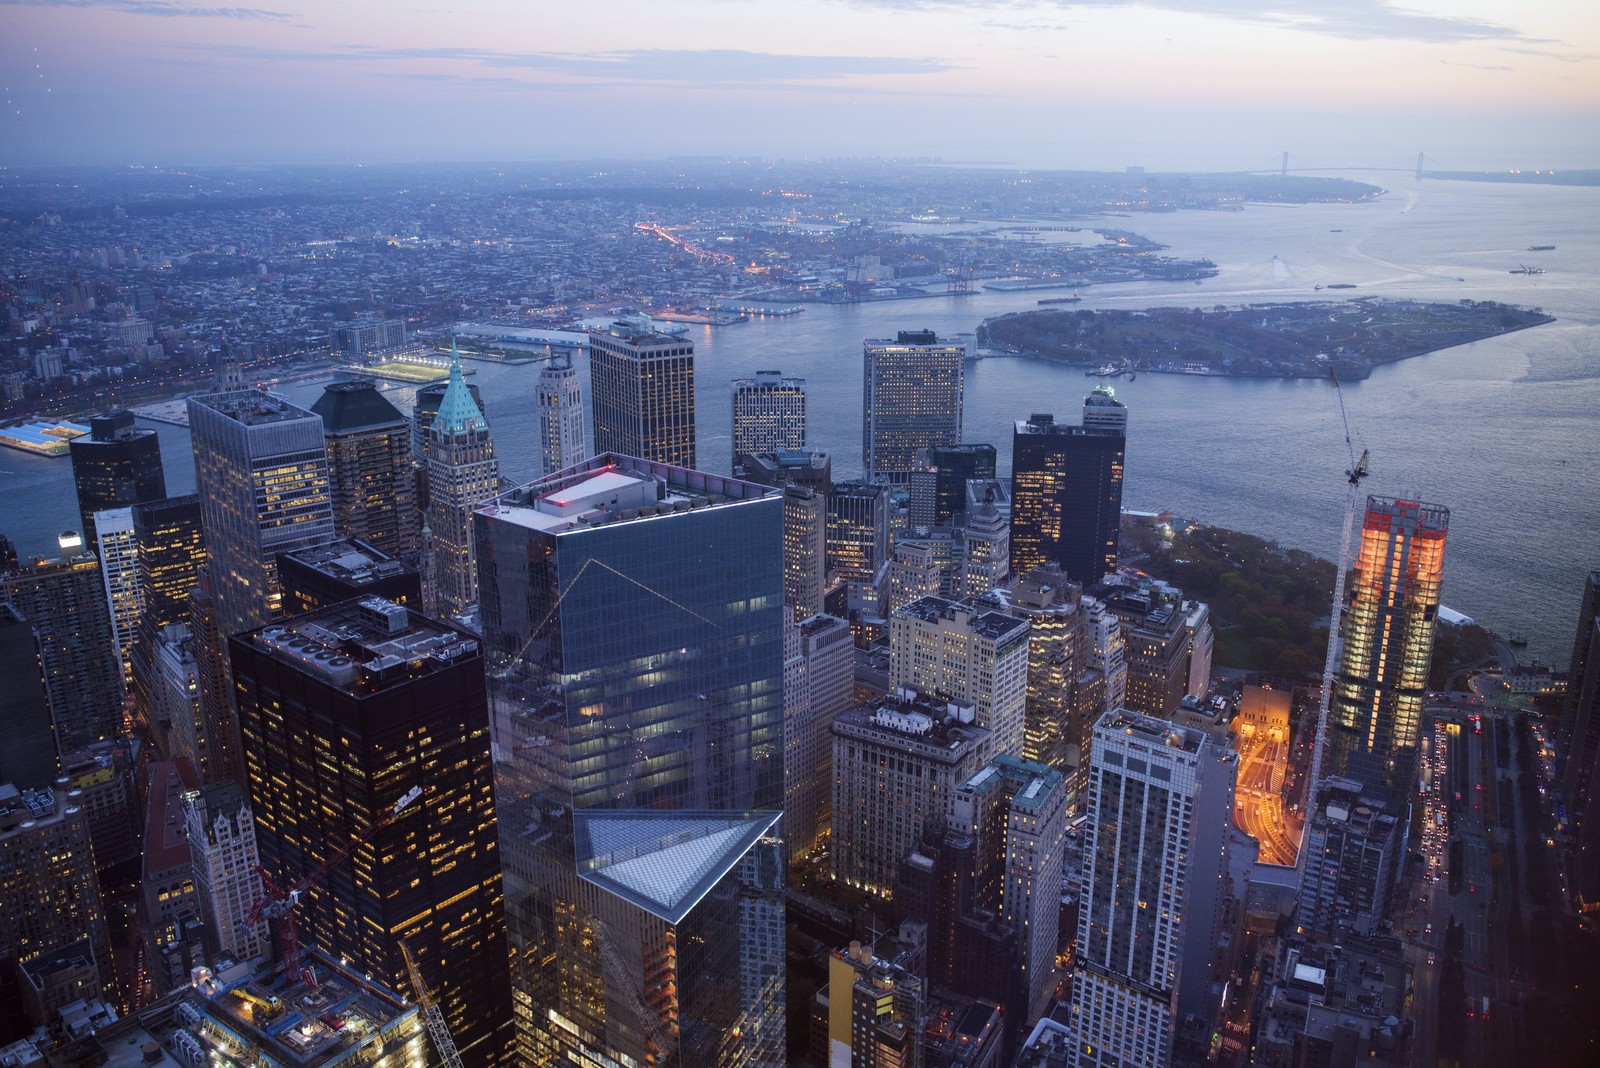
<point>1172,84</point>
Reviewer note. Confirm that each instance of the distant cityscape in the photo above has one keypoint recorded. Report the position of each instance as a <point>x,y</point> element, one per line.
<point>371,751</point>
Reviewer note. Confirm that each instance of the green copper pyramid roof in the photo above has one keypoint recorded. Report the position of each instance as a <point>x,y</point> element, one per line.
<point>458,413</point>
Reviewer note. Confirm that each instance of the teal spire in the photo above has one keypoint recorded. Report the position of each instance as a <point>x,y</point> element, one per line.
<point>458,412</point>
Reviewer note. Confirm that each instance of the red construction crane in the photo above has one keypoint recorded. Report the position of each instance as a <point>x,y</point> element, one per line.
<point>277,907</point>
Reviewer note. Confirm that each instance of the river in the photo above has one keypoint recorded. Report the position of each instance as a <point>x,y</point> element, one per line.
<point>1505,432</point>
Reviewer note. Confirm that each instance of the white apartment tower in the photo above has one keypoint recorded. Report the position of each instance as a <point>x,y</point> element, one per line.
<point>462,473</point>
<point>1154,865</point>
<point>967,654</point>
<point>561,431</point>
<point>119,567</point>
<point>222,850</point>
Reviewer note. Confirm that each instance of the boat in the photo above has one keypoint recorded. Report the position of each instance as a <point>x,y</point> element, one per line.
<point>1341,285</point>
<point>1061,300</point>
<point>1517,638</point>
<point>1105,370</point>
<point>1525,269</point>
<point>1541,248</point>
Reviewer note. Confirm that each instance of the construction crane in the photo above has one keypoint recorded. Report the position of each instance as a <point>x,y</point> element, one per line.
<point>1353,476</point>
<point>278,905</point>
<point>443,1041</point>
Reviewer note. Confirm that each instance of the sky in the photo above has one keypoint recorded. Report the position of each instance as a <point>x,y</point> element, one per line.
<point>1167,84</point>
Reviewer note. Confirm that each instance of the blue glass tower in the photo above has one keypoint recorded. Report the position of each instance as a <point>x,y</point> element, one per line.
<point>633,615</point>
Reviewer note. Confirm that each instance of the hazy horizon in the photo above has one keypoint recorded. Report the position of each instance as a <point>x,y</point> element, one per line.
<point>1046,84</point>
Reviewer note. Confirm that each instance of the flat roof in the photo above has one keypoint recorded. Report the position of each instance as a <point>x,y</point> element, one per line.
<point>252,407</point>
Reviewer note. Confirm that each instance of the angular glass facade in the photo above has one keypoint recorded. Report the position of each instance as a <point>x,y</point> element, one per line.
<point>633,616</point>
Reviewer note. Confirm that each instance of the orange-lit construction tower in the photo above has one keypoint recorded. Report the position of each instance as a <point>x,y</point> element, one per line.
<point>1391,603</point>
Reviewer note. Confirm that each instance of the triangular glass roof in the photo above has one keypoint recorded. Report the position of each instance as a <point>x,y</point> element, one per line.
<point>664,862</point>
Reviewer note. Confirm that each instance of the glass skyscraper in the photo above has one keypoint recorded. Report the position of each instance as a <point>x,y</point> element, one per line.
<point>633,616</point>
<point>1066,490</point>
<point>1391,602</point>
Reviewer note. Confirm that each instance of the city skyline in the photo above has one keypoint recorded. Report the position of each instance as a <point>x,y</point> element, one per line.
<point>1168,84</point>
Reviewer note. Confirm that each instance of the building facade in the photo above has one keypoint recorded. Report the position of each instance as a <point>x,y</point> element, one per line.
<point>969,654</point>
<point>1579,742</point>
<point>641,387</point>
<point>261,473</point>
<point>119,570</point>
<point>1154,790</point>
<point>562,441</point>
<point>462,473</point>
<point>115,465</point>
<point>1353,851</point>
<point>858,531</point>
<point>1066,490</point>
<point>769,413</point>
<point>1391,603</point>
<point>939,482</point>
<point>913,391</point>
<point>343,712</point>
<point>370,476</point>
<point>639,768</point>
<point>221,835</point>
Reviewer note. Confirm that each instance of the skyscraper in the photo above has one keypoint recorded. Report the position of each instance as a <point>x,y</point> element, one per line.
<point>1391,601</point>
<point>805,478</point>
<point>968,654</point>
<point>633,613</point>
<point>561,435</point>
<point>221,834</point>
<point>370,475</point>
<point>912,398</point>
<point>641,387</point>
<point>462,473</point>
<point>769,413</point>
<point>171,552</point>
<point>27,744</point>
<point>1353,853</point>
<point>343,711</point>
<point>939,481</point>
<point>1160,798</point>
<point>1580,744</point>
<point>858,530</point>
<point>425,410</point>
<point>64,601</point>
<point>119,570</point>
<point>1066,490</point>
<point>116,464</point>
<point>261,472</point>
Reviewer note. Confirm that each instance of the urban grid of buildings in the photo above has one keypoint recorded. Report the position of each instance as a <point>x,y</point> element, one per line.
<point>381,758</point>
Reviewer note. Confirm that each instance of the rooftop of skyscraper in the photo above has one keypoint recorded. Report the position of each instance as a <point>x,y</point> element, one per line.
<point>348,560</point>
<point>612,488</point>
<point>356,405</point>
<point>994,626</point>
<point>250,406</point>
<point>1152,730</point>
<point>1034,781</point>
<point>908,719</point>
<point>364,647</point>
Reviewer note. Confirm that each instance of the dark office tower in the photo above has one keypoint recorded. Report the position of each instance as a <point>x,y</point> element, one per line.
<point>462,473</point>
<point>261,472</point>
<point>1391,601</point>
<point>343,712</point>
<point>641,386</point>
<point>426,411</point>
<point>27,744</point>
<point>805,478</point>
<point>8,555</point>
<point>115,465</point>
<point>344,570</point>
<point>1580,745</point>
<point>939,482</point>
<point>64,601</point>
<point>769,413</point>
<point>171,553</point>
<point>858,530</point>
<point>1066,493</point>
<point>912,393</point>
<point>633,612</point>
<point>369,467</point>
<point>218,724</point>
